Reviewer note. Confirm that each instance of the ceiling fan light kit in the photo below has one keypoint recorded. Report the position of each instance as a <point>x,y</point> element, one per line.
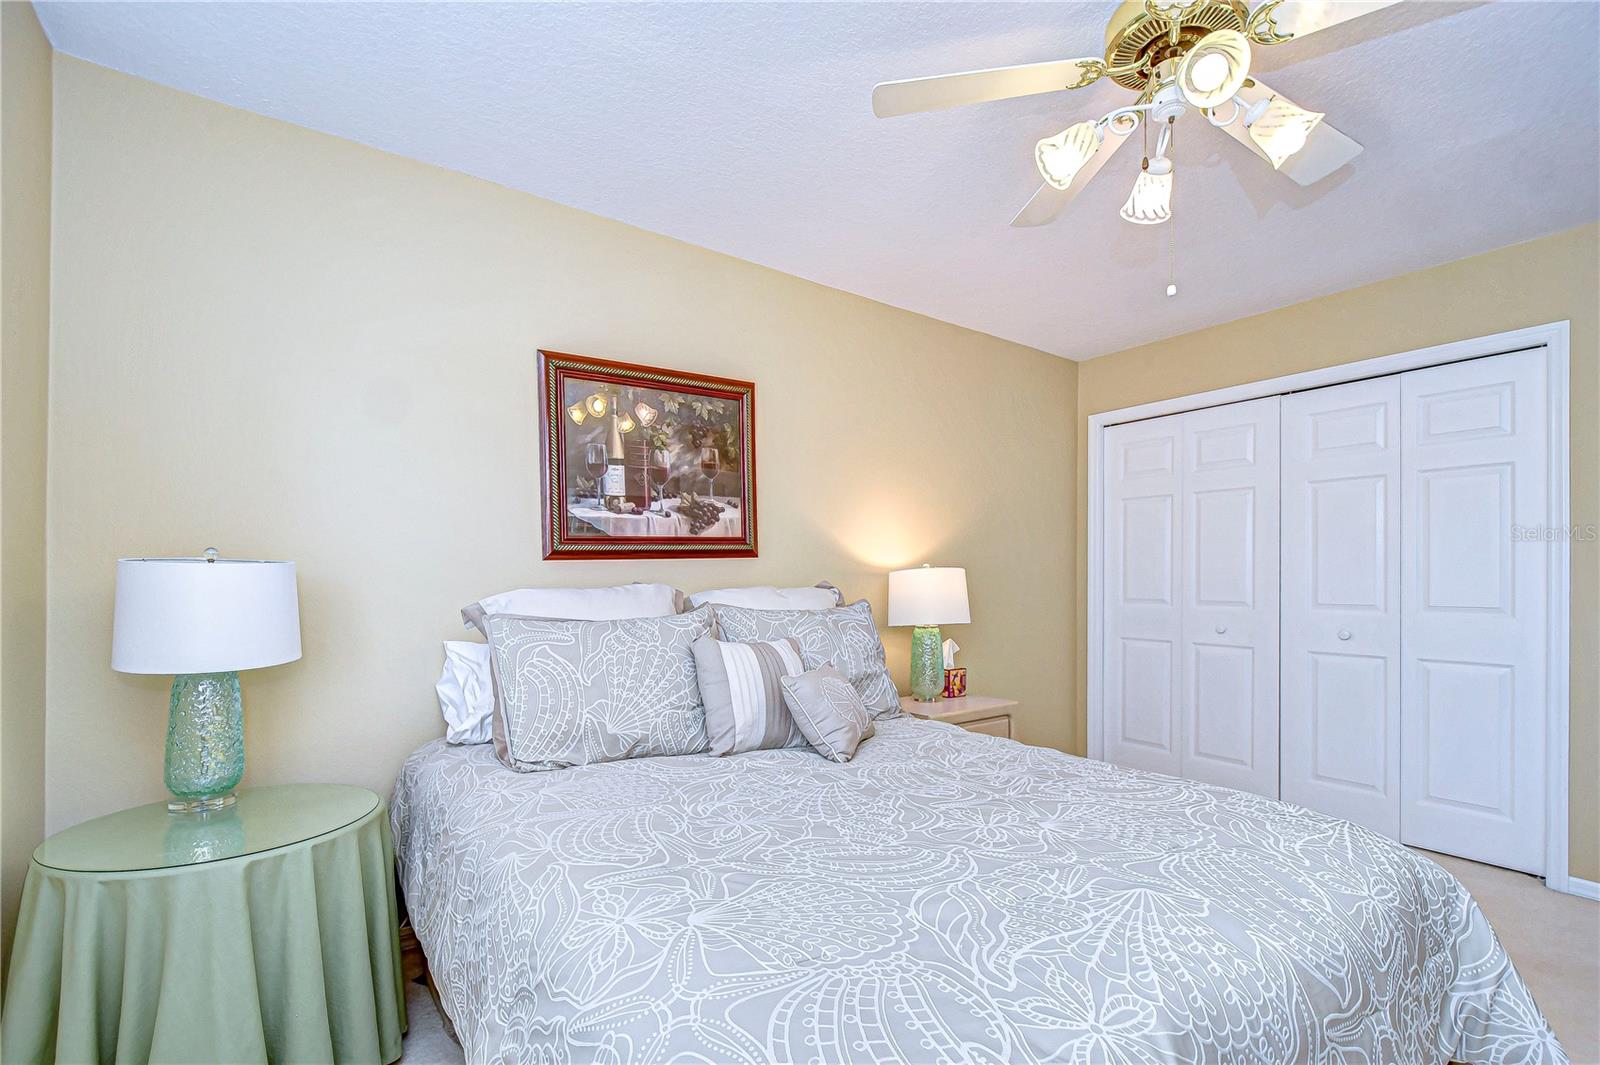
<point>1188,54</point>
<point>1215,68</point>
<point>1279,128</point>
<point>1150,202</point>
<point>1059,158</point>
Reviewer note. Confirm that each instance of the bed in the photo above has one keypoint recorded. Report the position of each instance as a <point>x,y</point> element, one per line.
<point>945,896</point>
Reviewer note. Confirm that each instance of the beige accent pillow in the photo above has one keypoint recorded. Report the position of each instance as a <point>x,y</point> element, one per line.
<point>829,711</point>
<point>743,702</point>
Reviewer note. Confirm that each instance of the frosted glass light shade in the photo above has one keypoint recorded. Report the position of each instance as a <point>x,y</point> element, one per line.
<point>1150,202</point>
<point>1062,156</point>
<point>929,595</point>
<point>1281,129</point>
<point>188,615</point>
<point>1215,68</point>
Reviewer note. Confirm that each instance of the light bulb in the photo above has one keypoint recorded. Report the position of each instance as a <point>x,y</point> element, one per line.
<point>1215,68</point>
<point>577,414</point>
<point>596,403</point>
<point>1172,290</point>
<point>647,413</point>
<point>1280,128</point>
<point>1062,156</point>
<point>1150,202</point>
<point>1209,72</point>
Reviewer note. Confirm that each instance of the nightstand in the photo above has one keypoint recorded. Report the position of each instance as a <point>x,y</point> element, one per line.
<point>975,713</point>
<point>264,931</point>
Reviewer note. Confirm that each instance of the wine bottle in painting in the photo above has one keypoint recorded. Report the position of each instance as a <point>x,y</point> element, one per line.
<point>616,475</point>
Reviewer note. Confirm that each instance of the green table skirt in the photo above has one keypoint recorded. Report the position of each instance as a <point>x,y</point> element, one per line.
<point>291,955</point>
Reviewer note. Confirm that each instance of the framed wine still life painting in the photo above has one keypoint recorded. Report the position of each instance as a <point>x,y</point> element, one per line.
<point>644,462</point>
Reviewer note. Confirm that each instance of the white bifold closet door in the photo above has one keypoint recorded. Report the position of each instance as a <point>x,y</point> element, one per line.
<point>1341,601</point>
<point>1475,467</point>
<point>1143,601</point>
<point>1411,634</point>
<point>1191,590</point>
<point>1229,705</point>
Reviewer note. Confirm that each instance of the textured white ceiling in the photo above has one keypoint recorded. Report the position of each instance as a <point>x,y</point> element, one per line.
<point>747,128</point>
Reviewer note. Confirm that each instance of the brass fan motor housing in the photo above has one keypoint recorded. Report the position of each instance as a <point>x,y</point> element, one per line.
<point>1137,41</point>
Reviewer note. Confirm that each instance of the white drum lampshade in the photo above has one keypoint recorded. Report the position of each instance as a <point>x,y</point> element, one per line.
<point>928,595</point>
<point>202,620</point>
<point>195,615</point>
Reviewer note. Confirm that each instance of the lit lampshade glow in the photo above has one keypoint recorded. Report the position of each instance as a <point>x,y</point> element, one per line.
<point>1280,128</point>
<point>1150,202</point>
<point>596,404</point>
<point>929,595</point>
<point>1062,156</point>
<point>647,414</point>
<point>625,422</point>
<point>1215,68</point>
<point>577,414</point>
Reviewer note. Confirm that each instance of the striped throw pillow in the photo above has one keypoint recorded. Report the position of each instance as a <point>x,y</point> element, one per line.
<point>742,698</point>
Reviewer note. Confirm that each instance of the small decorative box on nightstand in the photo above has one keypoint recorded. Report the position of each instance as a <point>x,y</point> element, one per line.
<point>975,713</point>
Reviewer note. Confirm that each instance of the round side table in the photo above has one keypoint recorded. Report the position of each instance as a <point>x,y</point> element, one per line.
<point>262,932</point>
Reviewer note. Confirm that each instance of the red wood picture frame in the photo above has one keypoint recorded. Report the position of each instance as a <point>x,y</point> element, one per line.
<point>720,416</point>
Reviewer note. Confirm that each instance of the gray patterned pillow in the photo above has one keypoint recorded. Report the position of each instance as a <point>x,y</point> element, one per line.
<point>828,711</point>
<point>574,692</point>
<point>844,637</point>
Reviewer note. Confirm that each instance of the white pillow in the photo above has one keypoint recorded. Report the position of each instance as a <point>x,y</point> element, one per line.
<point>577,604</point>
<point>466,692</point>
<point>765,597</point>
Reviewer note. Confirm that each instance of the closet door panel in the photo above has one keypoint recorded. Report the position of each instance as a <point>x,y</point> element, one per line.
<point>1143,615</point>
<point>1473,684</point>
<point>1229,697</point>
<point>1341,601</point>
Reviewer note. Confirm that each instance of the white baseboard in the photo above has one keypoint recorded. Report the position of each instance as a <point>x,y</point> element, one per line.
<point>1586,889</point>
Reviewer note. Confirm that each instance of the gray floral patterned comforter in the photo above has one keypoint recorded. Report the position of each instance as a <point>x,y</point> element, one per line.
<point>943,897</point>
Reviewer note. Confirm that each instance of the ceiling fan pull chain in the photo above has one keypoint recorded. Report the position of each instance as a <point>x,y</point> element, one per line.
<point>1172,227</point>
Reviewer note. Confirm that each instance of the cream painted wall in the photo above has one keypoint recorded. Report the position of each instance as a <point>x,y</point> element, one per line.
<point>24,373</point>
<point>1551,279</point>
<point>289,345</point>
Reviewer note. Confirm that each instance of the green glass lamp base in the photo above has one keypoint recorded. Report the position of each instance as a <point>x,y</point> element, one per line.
<point>927,663</point>
<point>205,742</point>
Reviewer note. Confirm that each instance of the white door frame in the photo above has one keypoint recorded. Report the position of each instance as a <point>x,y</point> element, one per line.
<point>1554,338</point>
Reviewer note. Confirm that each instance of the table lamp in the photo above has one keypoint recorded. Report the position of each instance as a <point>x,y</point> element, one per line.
<point>927,597</point>
<point>203,620</point>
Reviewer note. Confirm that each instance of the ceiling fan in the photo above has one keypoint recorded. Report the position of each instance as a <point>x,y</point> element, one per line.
<point>1176,56</point>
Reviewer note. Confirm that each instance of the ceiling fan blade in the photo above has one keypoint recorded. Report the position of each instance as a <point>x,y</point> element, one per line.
<point>1050,201</point>
<point>1325,151</point>
<point>1293,19</point>
<point>892,98</point>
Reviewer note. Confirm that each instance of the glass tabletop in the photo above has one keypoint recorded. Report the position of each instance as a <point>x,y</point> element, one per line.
<point>148,837</point>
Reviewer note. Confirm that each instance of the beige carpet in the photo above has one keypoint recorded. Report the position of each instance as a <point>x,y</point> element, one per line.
<point>1554,939</point>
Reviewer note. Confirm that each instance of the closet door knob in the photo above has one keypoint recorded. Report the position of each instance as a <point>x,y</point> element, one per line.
<point>1221,629</point>
<point>1344,634</point>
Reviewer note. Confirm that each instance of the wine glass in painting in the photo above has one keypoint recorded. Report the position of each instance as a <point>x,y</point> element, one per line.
<point>709,467</point>
<point>658,466</point>
<point>594,464</point>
